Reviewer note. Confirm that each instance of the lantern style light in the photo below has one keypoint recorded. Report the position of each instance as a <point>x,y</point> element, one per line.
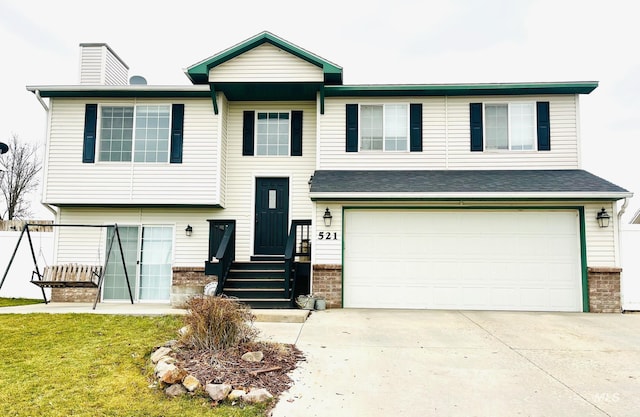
<point>327,217</point>
<point>603,218</point>
<point>189,230</point>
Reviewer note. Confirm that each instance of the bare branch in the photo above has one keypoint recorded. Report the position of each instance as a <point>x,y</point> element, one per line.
<point>20,167</point>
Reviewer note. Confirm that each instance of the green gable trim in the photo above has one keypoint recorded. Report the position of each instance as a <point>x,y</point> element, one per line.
<point>199,73</point>
<point>460,89</point>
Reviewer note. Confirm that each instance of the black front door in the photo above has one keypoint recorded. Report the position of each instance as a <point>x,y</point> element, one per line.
<point>272,216</point>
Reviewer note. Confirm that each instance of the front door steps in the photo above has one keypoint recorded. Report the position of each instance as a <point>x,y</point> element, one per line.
<point>260,284</point>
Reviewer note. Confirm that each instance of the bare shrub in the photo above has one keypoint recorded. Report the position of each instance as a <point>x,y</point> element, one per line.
<point>217,323</point>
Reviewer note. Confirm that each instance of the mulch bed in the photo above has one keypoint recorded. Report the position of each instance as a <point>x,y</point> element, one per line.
<point>227,366</point>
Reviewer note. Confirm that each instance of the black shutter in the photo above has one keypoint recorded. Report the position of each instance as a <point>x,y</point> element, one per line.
<point>248,121</point>
<point>90,126</point>
<point>475,115</point>
<point>544,128</point>
<point>296,133</point>
<point>352,128</point>
<point>415,127</point>
<point>177,131</point>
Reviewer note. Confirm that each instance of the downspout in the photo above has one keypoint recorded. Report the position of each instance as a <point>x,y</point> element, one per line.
<point>619,216</point>
<point>39,97</point>
<point>46,109</point>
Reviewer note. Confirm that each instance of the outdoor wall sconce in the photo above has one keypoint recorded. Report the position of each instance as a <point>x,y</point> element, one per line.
<point>603,218</point>
<point>327,217</point>
<point>189,230</point>
<point>310,182</point>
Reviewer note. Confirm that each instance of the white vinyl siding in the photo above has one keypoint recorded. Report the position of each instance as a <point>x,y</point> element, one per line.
<point>242,171</point>
<point>100,66</point>
<point>87,245</point>
<point>446,137</point>
<point>194,181</point>
<point>266,63</point>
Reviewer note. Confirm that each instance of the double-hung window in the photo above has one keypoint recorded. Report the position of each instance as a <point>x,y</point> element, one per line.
<point>510,126</point>
<point>272,133</point>
<point>384,127</point>
<point>139,132</point>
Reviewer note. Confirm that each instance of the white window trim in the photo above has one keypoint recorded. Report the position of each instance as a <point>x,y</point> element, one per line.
<point>384,142</point>
<point>508,104</point>
<point>255,134</point>
<point>133,139</point>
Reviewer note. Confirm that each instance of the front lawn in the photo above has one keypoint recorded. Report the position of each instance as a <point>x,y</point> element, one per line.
<point>10,302</point>
<point>90,365</point>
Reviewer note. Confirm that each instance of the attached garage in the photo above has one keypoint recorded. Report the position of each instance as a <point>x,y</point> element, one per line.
<point>501,259</point>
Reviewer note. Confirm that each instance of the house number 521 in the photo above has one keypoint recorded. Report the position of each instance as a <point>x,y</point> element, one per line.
<point>327,236</point>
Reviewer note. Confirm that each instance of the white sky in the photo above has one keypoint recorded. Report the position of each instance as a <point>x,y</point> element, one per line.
<point>397,42</point>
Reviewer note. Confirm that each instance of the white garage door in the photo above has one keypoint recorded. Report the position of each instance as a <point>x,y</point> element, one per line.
<point>462,259</point>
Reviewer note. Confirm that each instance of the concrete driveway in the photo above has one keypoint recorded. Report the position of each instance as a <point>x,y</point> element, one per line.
<point>462,363</point>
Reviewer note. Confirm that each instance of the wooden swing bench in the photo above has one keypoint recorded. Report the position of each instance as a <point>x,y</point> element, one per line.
<point>68,276</point>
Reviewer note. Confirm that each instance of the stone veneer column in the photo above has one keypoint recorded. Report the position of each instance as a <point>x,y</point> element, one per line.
<point>327,282</point>
<point>604,289</point>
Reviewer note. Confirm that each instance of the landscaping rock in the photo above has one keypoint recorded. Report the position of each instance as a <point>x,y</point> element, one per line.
<point>160,353</point>
<point>253,356</point>
<point>236,394</point>
<point>175,390</point>
<point>162,368</point>
<point>191,383</point>
<point>218,392</point>
<point>173,376</point>
<point>257,396</point>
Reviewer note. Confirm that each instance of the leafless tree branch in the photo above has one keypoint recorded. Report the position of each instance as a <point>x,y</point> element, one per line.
<point>20,167</point>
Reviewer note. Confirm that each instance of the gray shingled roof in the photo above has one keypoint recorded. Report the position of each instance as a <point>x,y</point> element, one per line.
<point>572,182</point>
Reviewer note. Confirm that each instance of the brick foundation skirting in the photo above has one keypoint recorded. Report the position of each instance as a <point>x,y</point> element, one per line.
<point>327,283</point>
<point>190,276</point>
<point>187,282</point>
<point>73,295</point>
<point>604,289</point>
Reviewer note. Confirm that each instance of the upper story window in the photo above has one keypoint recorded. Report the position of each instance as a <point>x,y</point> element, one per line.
<point>272,133</point>
<point>141,132</point>
<point>510,126</point>
<point>517,126</point>
<point>384,127</point>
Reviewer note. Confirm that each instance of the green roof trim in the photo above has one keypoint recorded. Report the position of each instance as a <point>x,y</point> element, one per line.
<point>199,73</point>
<point>583,87</point>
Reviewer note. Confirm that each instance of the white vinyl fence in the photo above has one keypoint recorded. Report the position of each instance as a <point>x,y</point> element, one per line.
<point>18,282</point>
<point>630,253</point>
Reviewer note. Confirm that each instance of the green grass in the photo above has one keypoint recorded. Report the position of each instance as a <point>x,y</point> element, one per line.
<point>10,302</point>
<point>90,365</point>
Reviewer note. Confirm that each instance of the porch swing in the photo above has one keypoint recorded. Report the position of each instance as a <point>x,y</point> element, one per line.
<point>71,275</point>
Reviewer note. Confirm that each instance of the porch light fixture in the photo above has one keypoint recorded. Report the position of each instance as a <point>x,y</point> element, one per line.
<point>327,217</point>
<point>189,230</point>
<point>603,218</point>
<point>310,182</point>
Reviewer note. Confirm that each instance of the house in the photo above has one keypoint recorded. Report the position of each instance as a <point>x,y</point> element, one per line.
<point>457,196</point>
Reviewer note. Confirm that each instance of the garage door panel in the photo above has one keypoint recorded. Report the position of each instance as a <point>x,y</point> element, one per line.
<point>468,259</point>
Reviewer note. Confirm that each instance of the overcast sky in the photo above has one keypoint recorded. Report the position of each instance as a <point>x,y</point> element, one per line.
<point>397,42</point>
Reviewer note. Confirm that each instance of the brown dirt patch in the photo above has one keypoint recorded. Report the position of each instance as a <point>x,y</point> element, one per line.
<point>227,366</point>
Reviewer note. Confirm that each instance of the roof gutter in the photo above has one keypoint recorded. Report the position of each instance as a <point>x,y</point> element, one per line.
<point>470,195</point>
